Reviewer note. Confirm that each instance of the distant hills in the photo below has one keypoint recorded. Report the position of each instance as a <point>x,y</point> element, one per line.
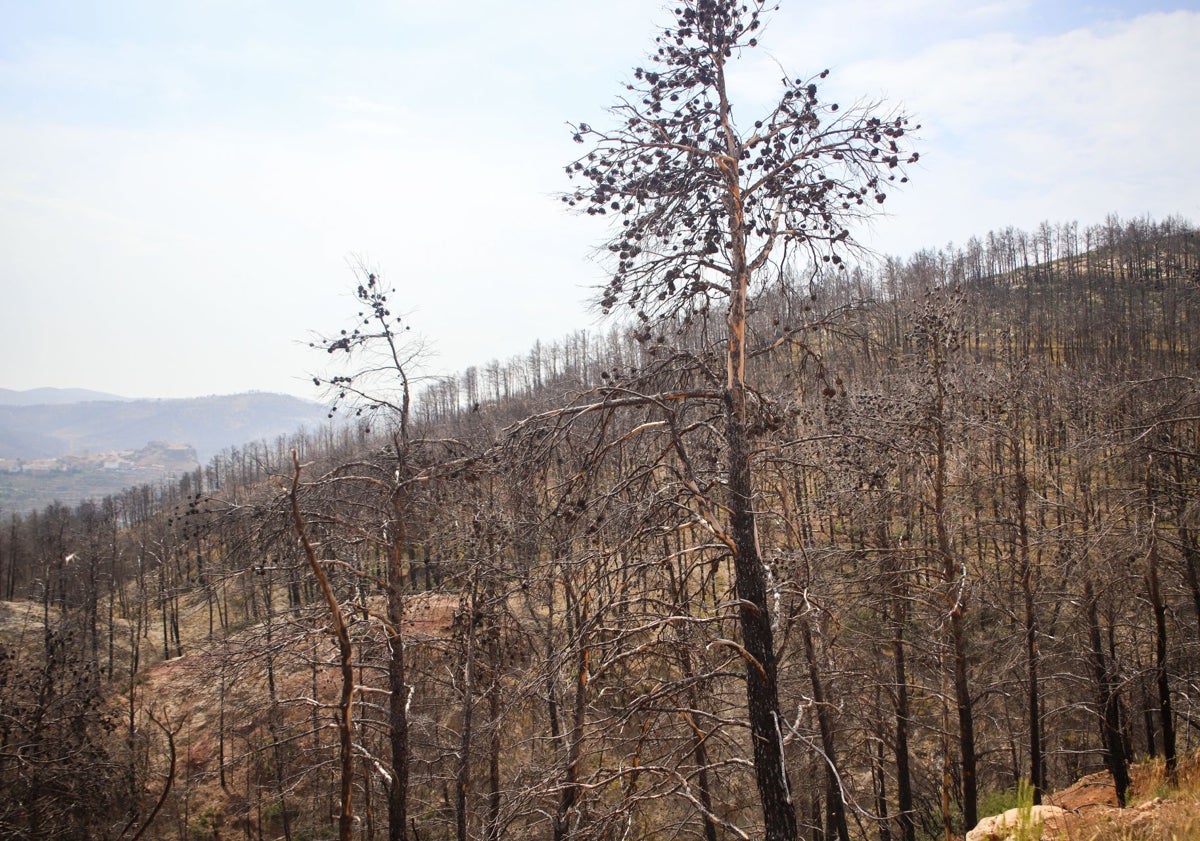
<point>72,444</point>
<point>92,422</point>
<point>53,396</point>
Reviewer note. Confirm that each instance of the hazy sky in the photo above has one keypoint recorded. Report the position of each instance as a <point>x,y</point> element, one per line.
<point>186,186</point>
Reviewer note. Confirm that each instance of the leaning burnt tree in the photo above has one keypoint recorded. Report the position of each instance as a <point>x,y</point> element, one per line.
<point>708,209</point>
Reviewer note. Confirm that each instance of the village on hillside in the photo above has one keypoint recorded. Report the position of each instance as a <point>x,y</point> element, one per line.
<point>27,484</point>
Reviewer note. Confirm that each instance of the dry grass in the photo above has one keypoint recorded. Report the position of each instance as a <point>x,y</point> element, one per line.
<point>1159,809</point>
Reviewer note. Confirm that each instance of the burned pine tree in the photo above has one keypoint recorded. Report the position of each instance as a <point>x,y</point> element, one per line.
<point>708,209</point>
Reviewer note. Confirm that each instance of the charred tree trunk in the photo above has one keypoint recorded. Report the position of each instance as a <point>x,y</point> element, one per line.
<point>881,802</point>
<point>898,616</point>
<point>399,693</point>
<point>955,598</point>
<point>464,750</point>
<point>835,806</point>
<point>699,737</point>
<point>1110,715</point>
<point>345,722</point>
<point>762,692</point>
<point>574,737</point>
<point>1032,655</point>
<point>493,821</point>
<point>1162,679</point>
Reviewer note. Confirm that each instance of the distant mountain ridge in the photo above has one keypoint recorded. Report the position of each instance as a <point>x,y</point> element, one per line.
<point>98,423</point>
<point>54,396</point>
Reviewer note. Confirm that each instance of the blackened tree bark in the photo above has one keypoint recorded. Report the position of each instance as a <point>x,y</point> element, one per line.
<point>682,607</point>
<point>398,690</point>
<point>1162,679</point>
<point>469,608</point>
<point>897,610</point>
<point>1025,568</point>
<point>762,690</point>
<point>835,807</point>
<point>1115,755</point>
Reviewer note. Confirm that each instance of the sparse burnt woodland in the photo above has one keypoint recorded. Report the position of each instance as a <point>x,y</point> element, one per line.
<point>808,547</point>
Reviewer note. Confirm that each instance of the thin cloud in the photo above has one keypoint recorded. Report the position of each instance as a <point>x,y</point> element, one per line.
<point>217,170</point>
<point>1083,122</point>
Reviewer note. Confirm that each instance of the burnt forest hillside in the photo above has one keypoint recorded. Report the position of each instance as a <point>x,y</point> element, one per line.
<point>503,605</point>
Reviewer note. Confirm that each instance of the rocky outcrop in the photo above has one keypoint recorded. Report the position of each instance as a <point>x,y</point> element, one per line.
<point>1035,823</point>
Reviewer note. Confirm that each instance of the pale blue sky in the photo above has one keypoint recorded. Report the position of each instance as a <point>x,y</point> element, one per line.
<point>184,186</point>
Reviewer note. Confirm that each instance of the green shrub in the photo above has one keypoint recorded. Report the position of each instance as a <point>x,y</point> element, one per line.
<point>997,802</point>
